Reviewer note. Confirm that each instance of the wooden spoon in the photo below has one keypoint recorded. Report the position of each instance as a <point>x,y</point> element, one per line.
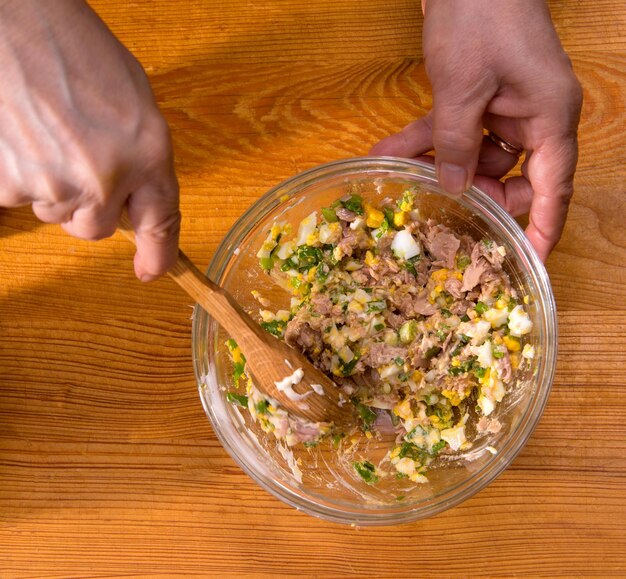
<point>269,360</point>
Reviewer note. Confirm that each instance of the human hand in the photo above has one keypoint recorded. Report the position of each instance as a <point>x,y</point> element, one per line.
<point>80,133</point>
<point>499,65</point>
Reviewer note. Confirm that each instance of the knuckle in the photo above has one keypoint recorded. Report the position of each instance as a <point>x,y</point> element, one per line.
<point>165,231</point>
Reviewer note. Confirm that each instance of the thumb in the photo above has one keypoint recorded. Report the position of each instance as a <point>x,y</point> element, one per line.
<point>153,211</point>
<point>457,134</point>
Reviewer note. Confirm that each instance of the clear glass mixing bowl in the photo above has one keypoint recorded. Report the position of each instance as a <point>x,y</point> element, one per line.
<point>329,488</point>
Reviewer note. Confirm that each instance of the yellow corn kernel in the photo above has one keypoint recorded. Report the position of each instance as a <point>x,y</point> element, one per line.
<point>526,300</point>
<point>399,218</point>
<point>497,339</point>
<point>284,198</point>
<point>440,275</point>
<point>514,360</point>
<point>455,363</point>
<point>395,452</point>
<point>512,343</point>
<point>458,275</point>
<point>485,378</point>
<point>368,434</point>
<point>501,304</point>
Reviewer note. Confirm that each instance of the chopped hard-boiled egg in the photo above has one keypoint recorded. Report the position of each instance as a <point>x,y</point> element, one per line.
<point>519,322</point>
<point>404,245</point>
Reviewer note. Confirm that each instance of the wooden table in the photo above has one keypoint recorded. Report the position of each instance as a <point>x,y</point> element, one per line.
<point>108,465</point>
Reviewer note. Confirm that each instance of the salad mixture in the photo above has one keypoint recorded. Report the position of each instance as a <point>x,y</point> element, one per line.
<point>417,324</point>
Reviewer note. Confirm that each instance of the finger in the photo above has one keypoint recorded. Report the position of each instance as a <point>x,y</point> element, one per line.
<point>58,212</point>
<point>153,211</point>
<point>413,140</point>
<point>514,195</point>
<point>94,222</point>
<point>494,161</point>
<point>457,134</point>
<point>551,173</point>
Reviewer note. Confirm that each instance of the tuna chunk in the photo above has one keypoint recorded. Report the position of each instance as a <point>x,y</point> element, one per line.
<point>381,354</point>
<point>442,244</point>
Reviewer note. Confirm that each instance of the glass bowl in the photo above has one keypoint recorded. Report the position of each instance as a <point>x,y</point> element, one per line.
<point>317,480</point>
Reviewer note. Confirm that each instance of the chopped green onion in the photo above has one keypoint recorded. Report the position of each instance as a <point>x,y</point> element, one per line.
<point>237,399</point>
<point>276,327</point>
<point>354,204</point>
<point>330,215</point>
<point>367,471</point>
<point>432,352</point>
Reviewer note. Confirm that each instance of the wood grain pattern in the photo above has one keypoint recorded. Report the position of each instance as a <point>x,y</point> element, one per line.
<point>108,465</point>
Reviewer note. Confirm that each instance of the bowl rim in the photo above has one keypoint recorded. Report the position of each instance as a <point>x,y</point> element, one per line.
<point>508,228</point>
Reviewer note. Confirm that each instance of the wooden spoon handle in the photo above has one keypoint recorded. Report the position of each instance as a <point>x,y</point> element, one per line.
<point>226,311</point>
<point>269,360</point>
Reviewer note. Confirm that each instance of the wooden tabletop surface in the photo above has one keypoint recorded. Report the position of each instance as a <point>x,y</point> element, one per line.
<point>108,465</point>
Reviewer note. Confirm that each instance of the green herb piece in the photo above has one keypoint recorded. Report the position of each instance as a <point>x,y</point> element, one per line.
<point>238,371</point>
<point>367,415</point>
<point>354,204</point>
<point>379,327</point>
<point>511,305</point>
<point>408,332</point>
<point>488,243</point>
<point>307,257</point>
<point>399,361</point>
<point>289,264</point>
<point>367,471</point>
<point>442,333</point>
<point>336,439</point>
<point>498,354</point>
<point>347,367</point>
<point>376,306</point>
<point>479,372</point>
<point>437,447</point>
<point>275,327</point>
<point>465,339</point>
<point>465,318</point>
<point>481,308</point>
<point>445,312</point>
<point>408,265</point>
<point>266,263</point>
<point>237,399</point>
<point>463,368</point>
<point>400,476</point>
<point>262,406</point>
<point>462,261</point>
<point>321,273</point>
<point>432,352</point>
<point>310,443</point>
<point>329,214</point>
<point>231,344</point>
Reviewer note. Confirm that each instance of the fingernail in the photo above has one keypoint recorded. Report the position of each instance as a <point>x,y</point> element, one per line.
<point>453,178</point>
<point>147,277</point>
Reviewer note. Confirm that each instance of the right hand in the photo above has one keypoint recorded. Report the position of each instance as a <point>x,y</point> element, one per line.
<point>81,136</point>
